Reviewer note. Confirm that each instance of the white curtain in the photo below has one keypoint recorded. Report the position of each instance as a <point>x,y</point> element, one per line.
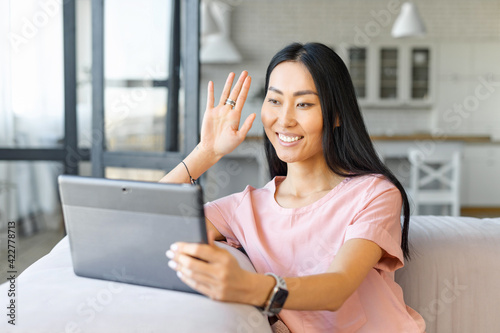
<point>6,128</point>
<point>7,207</point>
<point>32,104</point>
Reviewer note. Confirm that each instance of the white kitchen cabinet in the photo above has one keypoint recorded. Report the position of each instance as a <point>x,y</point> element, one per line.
<point>393,75</point>
<point>357,63</point>
<point>481,175</point>
<point>468,82</point>
<point>455,60</point>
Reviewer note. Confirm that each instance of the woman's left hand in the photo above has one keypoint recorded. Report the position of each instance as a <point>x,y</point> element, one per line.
<point>211,271</point>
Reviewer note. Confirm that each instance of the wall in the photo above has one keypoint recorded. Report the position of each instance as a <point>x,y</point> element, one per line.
<point>468,89</point>
<point>465,40</point>
<point>464,34</point>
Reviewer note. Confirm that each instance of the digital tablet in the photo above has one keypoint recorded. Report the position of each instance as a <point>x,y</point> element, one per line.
<point>120,230</point>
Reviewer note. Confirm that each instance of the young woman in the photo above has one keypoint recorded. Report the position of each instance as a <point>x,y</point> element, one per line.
<point>327,226</point>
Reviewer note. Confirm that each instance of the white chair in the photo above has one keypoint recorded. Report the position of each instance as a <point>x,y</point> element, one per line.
<point>435,179</point>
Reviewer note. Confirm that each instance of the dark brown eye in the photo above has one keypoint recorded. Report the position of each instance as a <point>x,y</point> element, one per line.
<point>304,105</point>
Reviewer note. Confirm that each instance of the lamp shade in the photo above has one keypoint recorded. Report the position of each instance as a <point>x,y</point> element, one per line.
<point>408,23</point>
<point>218,48</point>
<point>208,25</point>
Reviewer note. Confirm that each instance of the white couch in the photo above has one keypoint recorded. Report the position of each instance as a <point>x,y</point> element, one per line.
<point>51,298</point>
<point>452,281</point>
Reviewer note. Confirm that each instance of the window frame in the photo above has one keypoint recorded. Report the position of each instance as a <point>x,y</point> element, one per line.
<point>185,42</point>
<point>185,50</point>
<point>69,154</point>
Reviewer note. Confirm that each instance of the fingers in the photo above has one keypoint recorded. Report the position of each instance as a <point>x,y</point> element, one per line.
<point>220,277</point>
<point>187,266</point>
<point>198,257</point>
<point>227,88</point>
<point>210,95</point>
<point>193,273</point>
<point>247,125</point>
<point>241,97</point>
<point>235,93</point>
<point>197,285</point>
<point>201,251</point>
<point>199,275</point>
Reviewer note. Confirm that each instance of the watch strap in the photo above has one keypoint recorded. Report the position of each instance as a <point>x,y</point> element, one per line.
<point>276,298</point>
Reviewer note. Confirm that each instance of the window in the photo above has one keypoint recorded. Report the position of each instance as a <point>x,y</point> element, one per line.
<point>420,73</point>
<point>68,70</point>
<point>357,69</point>
<point>388,73</point>
<point>145,84</point>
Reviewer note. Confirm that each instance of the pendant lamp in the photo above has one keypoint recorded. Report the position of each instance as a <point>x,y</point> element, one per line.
<point>218,48</point>
<point>408,23</point>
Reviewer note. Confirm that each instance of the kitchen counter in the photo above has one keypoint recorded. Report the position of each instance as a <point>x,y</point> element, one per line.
<point>480,162</point>
<point>430,137</point>
<point>415,137</point>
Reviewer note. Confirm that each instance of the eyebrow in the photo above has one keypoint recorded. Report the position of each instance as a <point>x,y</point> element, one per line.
<point>297,93</point>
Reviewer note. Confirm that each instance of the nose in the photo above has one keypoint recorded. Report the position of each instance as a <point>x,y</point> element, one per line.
<point>287,117</point>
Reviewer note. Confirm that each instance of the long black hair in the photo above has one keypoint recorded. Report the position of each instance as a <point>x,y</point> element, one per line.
<point>348,149</point>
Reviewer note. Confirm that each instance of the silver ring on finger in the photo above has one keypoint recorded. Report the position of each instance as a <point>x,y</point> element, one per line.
<point>230,102</point>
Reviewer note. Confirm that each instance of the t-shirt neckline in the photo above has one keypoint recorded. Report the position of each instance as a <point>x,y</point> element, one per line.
<point>299,210</point>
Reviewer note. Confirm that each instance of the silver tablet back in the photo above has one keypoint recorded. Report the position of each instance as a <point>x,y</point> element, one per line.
<point>120,230</point>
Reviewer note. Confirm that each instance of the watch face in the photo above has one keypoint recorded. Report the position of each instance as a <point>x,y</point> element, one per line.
<point>280,298</point>
<point>277,297</point>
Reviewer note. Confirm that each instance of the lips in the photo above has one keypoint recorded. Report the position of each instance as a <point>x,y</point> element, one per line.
<point>289,138</point>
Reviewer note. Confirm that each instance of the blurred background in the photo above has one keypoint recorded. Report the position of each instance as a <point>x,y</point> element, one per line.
<point>117,88</point>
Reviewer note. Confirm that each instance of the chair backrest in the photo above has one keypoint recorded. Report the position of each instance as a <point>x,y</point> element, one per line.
<point>435,177</point>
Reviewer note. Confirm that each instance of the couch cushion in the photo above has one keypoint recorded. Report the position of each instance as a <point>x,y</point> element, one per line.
<point>452,278</point>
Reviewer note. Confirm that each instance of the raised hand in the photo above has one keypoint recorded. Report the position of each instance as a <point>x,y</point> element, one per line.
<point>220,131</point>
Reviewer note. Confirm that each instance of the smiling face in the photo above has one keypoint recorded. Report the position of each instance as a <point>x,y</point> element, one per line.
<point>291,114</point>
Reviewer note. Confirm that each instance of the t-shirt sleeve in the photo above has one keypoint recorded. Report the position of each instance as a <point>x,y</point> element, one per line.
<point>220,213</point>
<point>379,222</point>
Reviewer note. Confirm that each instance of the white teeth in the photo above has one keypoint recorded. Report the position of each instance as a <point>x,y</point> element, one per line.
<point>288,138</point>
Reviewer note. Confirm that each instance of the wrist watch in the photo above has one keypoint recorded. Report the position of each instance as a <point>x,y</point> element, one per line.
<point>276,298</point>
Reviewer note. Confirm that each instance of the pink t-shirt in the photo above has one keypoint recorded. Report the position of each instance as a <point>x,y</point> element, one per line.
<point>303,241</point>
